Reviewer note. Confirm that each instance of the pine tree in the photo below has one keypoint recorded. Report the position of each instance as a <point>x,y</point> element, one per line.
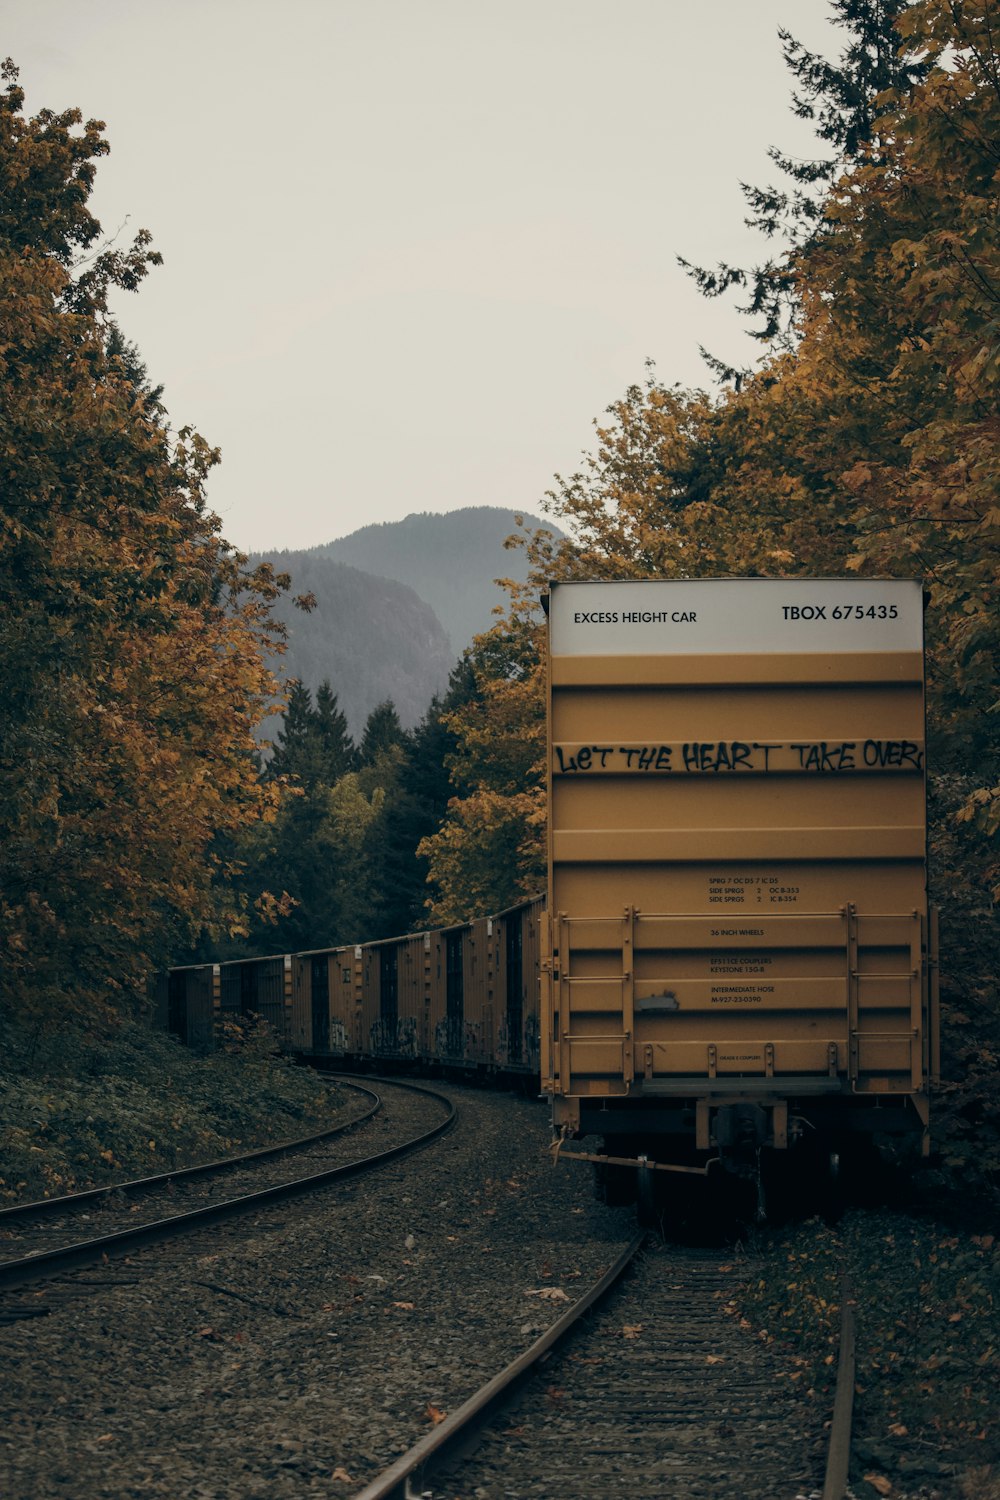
<point>414,809</point>
<point>298,753</point>
<point>337,747</point>
<point>382,731</point>
<point>842,100</point>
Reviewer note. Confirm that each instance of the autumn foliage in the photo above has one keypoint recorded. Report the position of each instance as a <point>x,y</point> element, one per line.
<point>867,444</point>
<point>131,635</point>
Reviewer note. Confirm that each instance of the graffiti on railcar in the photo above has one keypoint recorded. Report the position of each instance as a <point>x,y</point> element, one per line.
<point>338,1037</point>
<point>393,1037</point>
<point>458,1040</point>
<point>532,1040</point>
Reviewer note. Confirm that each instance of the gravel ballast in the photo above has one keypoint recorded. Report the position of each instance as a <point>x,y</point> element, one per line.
<point>300,1351</point>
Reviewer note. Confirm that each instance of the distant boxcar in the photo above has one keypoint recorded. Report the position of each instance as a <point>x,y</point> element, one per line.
<point>464,997</point>
<point>739,952</point>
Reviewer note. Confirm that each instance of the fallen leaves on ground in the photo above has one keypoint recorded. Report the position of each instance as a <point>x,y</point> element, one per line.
<point>925,1300</point>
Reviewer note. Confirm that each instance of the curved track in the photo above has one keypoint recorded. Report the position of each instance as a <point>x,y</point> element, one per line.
<point>65,1203</point>
<point>36,1264</point>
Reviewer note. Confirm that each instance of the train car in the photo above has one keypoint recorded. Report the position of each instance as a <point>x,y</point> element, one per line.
<point>738,953</point>
<point>392,1019</point>
<point>326,991</point>
<point>194,1001</point>
<point>259,988</point>
<point>186,1003</point>
<point>516,1035</point>
<point>463,997</point>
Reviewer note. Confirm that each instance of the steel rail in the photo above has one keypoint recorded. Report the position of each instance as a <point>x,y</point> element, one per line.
<point>68,1201</point>
<point>456,1429</point>
<point>32,1268</point>
<point>838,1456</point>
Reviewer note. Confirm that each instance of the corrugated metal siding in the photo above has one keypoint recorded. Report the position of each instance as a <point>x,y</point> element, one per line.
<point>737,864</point>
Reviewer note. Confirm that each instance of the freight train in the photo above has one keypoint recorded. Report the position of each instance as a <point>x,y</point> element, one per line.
<point>735,960</point>
<point>463,997</point>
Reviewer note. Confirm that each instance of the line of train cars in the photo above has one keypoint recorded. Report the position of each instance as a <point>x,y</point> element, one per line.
<point>735,960</point>
<point>464,996</point>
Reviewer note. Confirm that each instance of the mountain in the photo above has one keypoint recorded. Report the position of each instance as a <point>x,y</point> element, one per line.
<point>373,638</point>
<point>450,560</point>
<point>396,604</point>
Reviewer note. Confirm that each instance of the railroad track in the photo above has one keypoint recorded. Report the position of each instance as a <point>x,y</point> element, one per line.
<point>207,1191</point>
<point>657,1392</point>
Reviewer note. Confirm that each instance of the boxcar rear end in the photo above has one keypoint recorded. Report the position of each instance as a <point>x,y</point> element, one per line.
<point>740,952</point>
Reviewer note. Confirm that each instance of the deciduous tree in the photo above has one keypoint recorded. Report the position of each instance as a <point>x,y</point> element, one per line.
<point>131,635</point>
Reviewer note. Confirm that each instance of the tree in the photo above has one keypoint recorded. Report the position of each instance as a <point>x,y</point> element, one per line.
<point>297,753</point>
<point>315,852</point>
<point>413,809</point>
<point>131,635</point>
<point>314,746</point>
<point>843,101</point>
<point>382,732</point>
<point>338,750</point>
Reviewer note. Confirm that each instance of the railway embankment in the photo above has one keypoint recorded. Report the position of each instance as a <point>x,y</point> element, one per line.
<point>81,1107</point>
<point>926,1293</point>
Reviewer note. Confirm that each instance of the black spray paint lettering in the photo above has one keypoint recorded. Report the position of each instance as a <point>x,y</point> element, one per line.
<point>584,759</point>
<point>726,755</point>
<point>647,757</point>
<point>824,757</point>
<point>893,753</point>
<point>714,757</point>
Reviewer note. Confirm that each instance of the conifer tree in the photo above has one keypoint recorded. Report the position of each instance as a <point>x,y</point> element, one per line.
<point>337,747</point>
<point>297,754</point>
<point>382,732</point>
<point>842,101</point>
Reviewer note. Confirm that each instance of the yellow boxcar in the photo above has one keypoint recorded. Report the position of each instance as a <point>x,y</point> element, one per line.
<point>516,959</point>
<point>739,948</point>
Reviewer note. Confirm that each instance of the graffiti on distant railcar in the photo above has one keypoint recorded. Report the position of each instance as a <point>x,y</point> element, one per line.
<point>457,1038</point>
<point>394,1038</point>
<point>338,1037</point>
<point>532,1039</point>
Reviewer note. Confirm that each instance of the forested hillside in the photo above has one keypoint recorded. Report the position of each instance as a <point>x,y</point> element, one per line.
<point>372,637</point>
<point>452,561</point>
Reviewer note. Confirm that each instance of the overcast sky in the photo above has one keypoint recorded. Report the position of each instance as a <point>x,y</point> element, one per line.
<point>414,247</point>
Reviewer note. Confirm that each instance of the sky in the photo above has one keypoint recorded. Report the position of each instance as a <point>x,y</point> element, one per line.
<point>414,248</point>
